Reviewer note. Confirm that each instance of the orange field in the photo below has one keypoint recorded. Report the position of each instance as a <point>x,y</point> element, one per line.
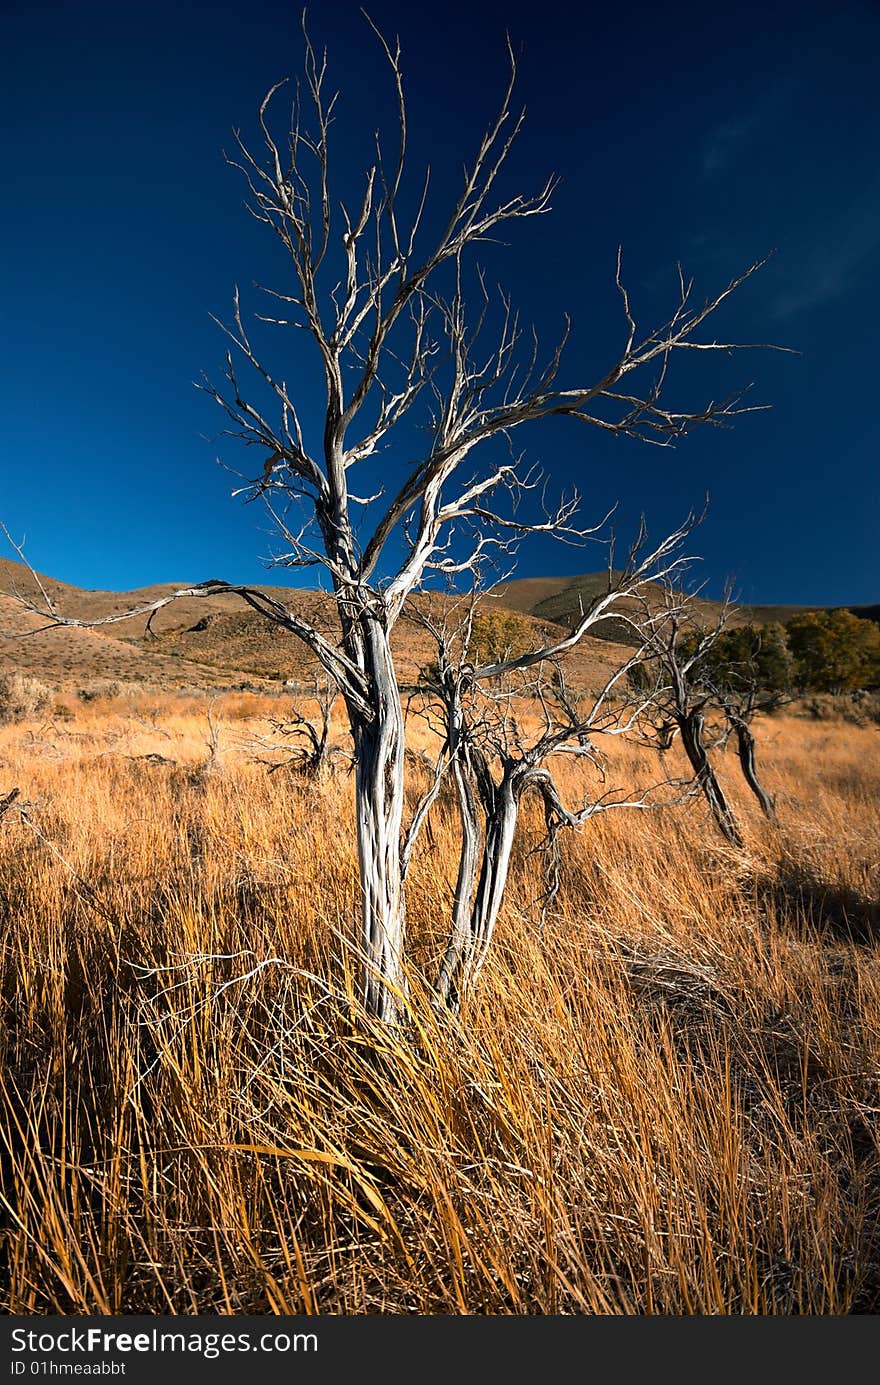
<point>663,1100</point>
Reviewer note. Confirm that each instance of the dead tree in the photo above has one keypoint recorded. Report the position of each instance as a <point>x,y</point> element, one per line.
<point>727,668</point>
<point>410,344</point>
<point>745,742</point>
<point>303,741</point>
<point>746,749</point>
<point>682,695</point>
<point>742,695</point>
<point>495,759</point>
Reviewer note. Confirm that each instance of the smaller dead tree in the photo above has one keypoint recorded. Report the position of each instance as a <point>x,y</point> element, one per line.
<point>755,682</point>
<point>500,727</point>
<point>303,741</point>
<point>738,713</point>
<point>681,696</point>
<point>734,670</point>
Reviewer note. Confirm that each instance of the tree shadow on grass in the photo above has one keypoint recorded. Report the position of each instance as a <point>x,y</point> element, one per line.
<point>837,912</point>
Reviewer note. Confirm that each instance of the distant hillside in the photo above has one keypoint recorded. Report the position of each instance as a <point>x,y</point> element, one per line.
<point>560,599</point>
<point>207,642</point>
<point>216,641</point>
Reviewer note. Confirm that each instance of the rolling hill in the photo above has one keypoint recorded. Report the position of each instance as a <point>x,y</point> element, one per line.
<point>216,641</point>
<point>208,642</point>
<point>559,599</point>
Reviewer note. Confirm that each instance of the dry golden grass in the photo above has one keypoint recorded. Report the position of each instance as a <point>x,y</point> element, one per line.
<point>664,1101</point>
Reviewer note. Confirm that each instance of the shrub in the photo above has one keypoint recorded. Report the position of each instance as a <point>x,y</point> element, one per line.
<point>22,697</point>
<point>858,708</point>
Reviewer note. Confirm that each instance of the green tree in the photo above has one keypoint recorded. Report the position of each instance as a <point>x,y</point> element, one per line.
<point>834,651</point>
<point>499,635</point>
<point>495,637</point>
<point>748,657</point>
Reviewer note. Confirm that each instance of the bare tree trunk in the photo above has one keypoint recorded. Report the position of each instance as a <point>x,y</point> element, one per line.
<point>746,747</point>
<point>474,924</point>
<point>379,751</point>
<point>692,740</point>
<point>458,947</point>
<point>493,877</point>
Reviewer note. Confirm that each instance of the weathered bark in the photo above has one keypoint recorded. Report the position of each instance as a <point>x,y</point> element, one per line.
<point>476,911</point>
<point>691,727</point>
<point>746,747</point>
<point>379,752</point>
<point>459,945</point>
<point>492,883</point>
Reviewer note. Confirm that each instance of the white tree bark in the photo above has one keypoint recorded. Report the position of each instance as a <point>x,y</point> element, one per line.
<point>500,833</point>
<point>379,785</point>
<point>460,945</point>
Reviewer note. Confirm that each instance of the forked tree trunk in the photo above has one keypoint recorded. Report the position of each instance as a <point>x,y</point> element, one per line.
<point>692,740</point>
<point>477,912</point>
<point>746,746</point>
<point>492,883</point>
<point>379,751</point>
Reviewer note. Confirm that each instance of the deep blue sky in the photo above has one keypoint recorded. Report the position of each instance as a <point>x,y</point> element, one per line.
<point>680,130</point>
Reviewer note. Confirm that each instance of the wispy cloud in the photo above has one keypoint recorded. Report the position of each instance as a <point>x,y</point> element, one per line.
<point>829,269</point>
<point>722,143</point>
